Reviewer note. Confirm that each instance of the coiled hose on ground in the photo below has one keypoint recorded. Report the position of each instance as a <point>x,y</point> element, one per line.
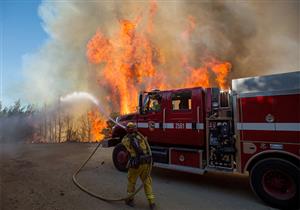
<point>102,197</point>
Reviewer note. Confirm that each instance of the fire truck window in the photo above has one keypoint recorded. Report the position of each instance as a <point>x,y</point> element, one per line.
<point>153,103</point>
<point>182,101</point>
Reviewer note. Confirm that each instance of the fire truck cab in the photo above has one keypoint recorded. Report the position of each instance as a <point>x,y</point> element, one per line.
<point>253,128</point>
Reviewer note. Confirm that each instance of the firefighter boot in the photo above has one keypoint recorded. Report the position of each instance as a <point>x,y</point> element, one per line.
<point>130,202</point>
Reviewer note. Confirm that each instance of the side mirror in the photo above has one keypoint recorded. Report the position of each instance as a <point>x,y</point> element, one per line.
<point>141,103</point>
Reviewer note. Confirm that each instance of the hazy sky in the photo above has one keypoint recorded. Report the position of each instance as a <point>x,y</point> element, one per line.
<point>21,33</point>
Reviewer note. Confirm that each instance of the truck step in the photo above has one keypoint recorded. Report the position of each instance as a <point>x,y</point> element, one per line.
<point>180,168</point>
<point>160,154</point>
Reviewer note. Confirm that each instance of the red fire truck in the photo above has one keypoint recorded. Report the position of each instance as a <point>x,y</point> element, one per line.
<point>253,128</point>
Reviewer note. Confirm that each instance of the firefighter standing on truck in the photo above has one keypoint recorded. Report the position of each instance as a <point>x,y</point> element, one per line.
<point>139,164</point>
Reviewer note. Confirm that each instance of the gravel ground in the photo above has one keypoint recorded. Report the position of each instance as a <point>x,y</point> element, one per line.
<point>39,176</point>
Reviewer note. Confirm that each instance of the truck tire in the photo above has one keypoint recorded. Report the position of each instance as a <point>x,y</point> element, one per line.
<point>120,157</point>
<point>276,182</point>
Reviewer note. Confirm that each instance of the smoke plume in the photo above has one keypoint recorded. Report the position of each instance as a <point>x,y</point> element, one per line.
<point>256,37</point>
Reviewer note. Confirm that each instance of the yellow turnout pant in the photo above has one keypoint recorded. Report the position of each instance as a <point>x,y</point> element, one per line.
<point>143,172</point>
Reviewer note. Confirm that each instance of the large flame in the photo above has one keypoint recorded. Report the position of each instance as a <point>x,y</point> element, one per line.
<point>129,61</point>
<point>97,125</point>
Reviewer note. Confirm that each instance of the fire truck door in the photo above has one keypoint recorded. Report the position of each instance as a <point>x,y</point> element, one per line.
<point>180,119</point>
<point>150,122</point>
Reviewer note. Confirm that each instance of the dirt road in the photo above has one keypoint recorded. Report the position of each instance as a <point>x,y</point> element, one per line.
<point>38,176</point>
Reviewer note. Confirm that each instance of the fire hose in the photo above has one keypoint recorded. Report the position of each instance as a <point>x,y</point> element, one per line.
<point>101,197</point>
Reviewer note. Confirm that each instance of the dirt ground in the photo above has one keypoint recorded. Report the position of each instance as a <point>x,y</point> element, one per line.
<point>39,176</point>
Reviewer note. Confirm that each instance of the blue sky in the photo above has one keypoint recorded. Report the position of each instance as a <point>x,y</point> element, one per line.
<point>21,33</point>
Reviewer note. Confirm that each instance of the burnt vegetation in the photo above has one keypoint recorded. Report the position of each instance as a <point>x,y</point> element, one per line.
<point>46,124</point>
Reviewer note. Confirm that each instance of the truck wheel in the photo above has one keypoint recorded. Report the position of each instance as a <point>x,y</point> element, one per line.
<point>120,157</point>
<point>276,182</point>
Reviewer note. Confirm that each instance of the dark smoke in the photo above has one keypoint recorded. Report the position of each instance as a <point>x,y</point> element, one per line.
<point>257,37</point>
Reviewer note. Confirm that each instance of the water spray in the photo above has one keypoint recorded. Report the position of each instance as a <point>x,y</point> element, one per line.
<point>78,96</point>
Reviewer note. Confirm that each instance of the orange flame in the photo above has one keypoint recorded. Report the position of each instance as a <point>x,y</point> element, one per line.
<point>200,76</point>
<point>128,60</point>
<point>221,69</point>
<point>97,125</point>
<point>98,48</point>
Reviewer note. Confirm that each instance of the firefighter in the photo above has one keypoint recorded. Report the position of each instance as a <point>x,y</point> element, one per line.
<point>155,103</point>
<point>155,106</point>
<point>139,163</point>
